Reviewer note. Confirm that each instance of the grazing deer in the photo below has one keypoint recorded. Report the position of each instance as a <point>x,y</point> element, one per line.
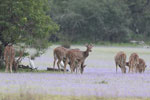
<point>140,67</point>
<point>120,60</point>
<point>16,62</point>
<point>78,56</point>
<point>9,57</point>
<point>133,62</point>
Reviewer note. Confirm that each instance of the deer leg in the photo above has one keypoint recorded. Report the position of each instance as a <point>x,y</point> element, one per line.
<point>6,69</point>
<point>132,69</point>
<point>58,63</point>
<point>54,63</point>
<point>66,62</point>
<point>10,67</point>
<point>80,65</point>
<point>72,66</point>
<point>116,68</point>
<point>76,68</point>
<point>129,69</point>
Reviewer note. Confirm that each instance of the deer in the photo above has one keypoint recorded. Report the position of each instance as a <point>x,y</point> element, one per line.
<point>140,67</point>
<point>60,55</point>
<point>9,58</point>
<point>78,56</point>
<point>120,60</point>
<point>17,61</point>
<point>133,62</point>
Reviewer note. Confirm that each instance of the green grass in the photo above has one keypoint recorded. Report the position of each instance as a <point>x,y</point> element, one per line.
<point>28,96</point>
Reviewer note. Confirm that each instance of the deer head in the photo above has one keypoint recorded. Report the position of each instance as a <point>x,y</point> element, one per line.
<point>89,47</point>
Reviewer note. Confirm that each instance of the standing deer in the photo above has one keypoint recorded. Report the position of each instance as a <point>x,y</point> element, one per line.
<point>59,54</point>
<point>133,62</point>
<point>74,56</point>
<point>140,67</point>
<point>120,60</point>
<point>9,57</point>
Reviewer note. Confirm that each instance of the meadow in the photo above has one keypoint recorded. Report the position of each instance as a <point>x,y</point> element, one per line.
<point>98,82</point>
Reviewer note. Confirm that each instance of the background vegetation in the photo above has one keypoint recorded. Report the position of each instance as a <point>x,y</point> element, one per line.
<point>101,20</point>
<point>37,22</point>
<point>27,22</point>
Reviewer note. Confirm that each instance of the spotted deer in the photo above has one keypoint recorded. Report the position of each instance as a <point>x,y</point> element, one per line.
<point>77,56</point>
<point>60,55</point>
<point>9,57</point>
<point>133,62</point>
<point>120,60</point>
<point>140,67</point>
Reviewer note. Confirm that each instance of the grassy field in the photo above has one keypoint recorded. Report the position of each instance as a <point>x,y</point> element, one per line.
<point>98,82</point>
<point>100,57</point>
<point>28,96</point>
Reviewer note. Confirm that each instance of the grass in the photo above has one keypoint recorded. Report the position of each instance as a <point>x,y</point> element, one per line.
<point>97,78</point>
<point>28,96</point>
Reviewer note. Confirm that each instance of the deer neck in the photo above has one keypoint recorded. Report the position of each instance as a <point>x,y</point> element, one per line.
<point>86,53</point>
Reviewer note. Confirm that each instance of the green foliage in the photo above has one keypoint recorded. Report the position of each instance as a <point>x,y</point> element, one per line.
<point>26,21</point>
<point>102,20</point>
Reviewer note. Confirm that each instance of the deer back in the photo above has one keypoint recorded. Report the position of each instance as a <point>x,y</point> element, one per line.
<point>134,59</point>
<point>60,52</point>
<point>75,54</point>
<point>120,58</point>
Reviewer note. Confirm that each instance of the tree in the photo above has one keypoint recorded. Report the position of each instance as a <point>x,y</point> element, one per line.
<point>92,20</point>
<point>26,21</point>
<point>140,13</point>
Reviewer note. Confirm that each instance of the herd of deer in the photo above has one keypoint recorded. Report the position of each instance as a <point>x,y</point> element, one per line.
<point>76,58</point>
<point>135,63</point>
